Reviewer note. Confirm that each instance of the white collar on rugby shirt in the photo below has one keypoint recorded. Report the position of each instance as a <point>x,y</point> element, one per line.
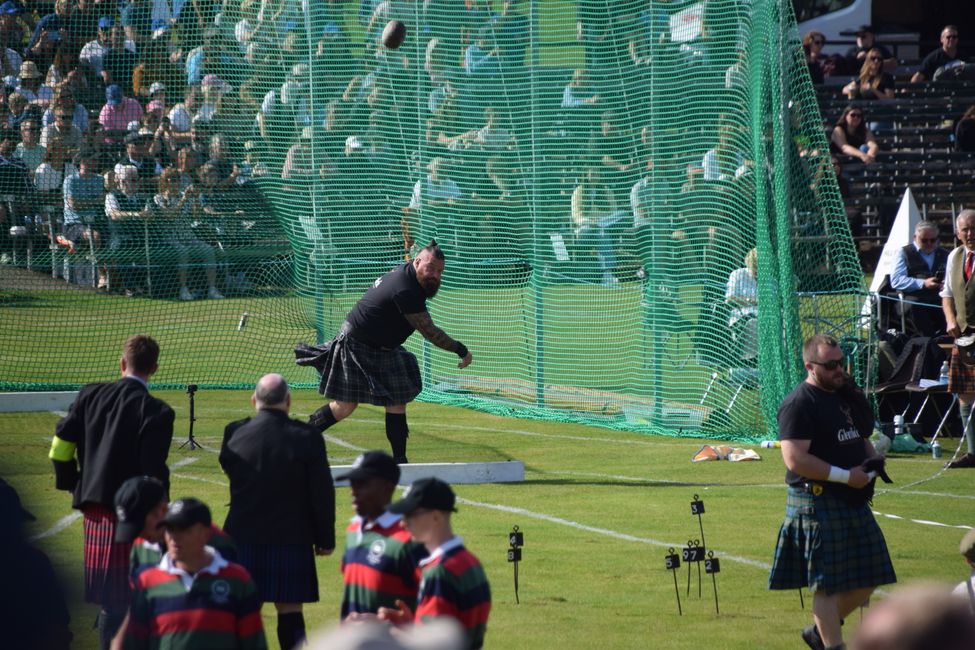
<point>216,563</point>
<point>384,520</point>
<point>444,548</point>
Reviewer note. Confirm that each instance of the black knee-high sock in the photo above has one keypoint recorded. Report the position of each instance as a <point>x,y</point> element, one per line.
<point>397,432</point>
<point>323,418</point>
<point>109,623</point>
<point>291,630</point>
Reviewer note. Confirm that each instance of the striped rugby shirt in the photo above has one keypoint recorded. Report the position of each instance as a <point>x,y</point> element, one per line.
<point>215,609</point>
<point>380,565</point>
<point>146,554</point>
<point>454,584</point>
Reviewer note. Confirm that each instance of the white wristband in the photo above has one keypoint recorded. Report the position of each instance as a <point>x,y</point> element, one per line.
<point>838,475</point>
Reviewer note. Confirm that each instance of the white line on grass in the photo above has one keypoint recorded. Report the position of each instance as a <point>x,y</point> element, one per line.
<point>923,522</point>
<point>203,480</point>
<point>58,526</point>
<point>342,443</point>
<point>183,462</point>
<point>604,531</point>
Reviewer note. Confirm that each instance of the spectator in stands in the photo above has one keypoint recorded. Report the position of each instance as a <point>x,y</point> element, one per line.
<point>137,155</point>
<point>741,294</point>
<point>15,182</point>
<point>64,101</point>
<point>51,31</point>
<point>65,60</point>
<point>820,66</point>
<point>10,59</point>
<point>49,175</point>
<point>187,164</point>
<point>19,109</point>
<point>856,56</point>
<point>946,55</point>
<point>172,208</point>
<point>852,137</point>
<point>84,205</point>
<point>137,21</point>
<point>12,29</point>
<point>31,85</point>
<point>127,210</point>
<point>725,162</point>
<point>219,205</point>
<point>30,150</point>
<point>919,273</point>
<point>118,64</point>
<point>155,69</point>
<point>965,131</point>
<point>63,130</point>
<point>873,82</point>
<point>612,147</point>
<point>117,113</point>
<point>593,209</point>
<point>578,93</point>
<point>93,53</point>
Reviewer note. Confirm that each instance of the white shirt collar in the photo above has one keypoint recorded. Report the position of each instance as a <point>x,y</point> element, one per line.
<point>446,547</point>
<point>136,378</point>
<point>216,563</point>
<point>384,520</point>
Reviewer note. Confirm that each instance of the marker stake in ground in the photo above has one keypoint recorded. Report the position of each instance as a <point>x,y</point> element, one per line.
<point>516,539</point>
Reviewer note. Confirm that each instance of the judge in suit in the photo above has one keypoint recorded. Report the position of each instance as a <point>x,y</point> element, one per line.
<point>282,503</point>
<point>918,273</point>
<point>111,433</point>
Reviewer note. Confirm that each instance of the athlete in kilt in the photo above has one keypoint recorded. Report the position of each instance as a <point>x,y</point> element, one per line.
<point>829,541</point>
<point>366,361</point>
<point>958,302</point>
<point>112,432</point>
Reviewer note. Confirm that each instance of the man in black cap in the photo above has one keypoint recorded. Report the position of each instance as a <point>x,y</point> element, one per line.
<point>282,503</point>
<point>137,155</point>
<point>380,562</point>
<point>194,599</point>
<point>366,361</point>
<point>856,56</point>
<point>453,583</point>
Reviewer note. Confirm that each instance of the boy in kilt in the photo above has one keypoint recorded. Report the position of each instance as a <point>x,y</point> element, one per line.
<point>112,432</point>
<point>366,361</point>
<point>380,565</point>
<point>958,304</point>
<point>829,541</point>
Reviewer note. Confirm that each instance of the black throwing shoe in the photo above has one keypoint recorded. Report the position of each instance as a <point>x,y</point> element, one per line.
<point>811,636</point>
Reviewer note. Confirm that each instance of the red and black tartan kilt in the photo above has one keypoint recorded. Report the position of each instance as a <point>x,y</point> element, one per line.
<point>106,561</point>
<point>961,377</point>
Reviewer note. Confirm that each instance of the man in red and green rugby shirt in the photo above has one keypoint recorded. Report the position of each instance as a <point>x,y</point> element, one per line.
<point>194,599</point>
<point>380,565</point>
<point>453,583</point>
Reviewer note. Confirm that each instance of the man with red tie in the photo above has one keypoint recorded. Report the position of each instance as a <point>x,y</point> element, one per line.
<point>958,302</point>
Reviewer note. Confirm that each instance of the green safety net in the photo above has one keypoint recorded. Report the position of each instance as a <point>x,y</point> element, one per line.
<point>597,173</point>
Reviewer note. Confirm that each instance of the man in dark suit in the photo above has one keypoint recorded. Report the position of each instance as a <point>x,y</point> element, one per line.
<point>282,503</point>
<point>111,433</point>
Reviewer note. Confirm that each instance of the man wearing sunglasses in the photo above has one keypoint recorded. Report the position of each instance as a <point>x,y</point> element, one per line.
<point>829,541</point>
<point>959,308</point>
<point>947,53</point>
<point>919,273</point>
<point>866,41</point>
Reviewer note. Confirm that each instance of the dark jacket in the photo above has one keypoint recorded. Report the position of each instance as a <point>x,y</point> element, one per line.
<point>120,431</point>
<point>281,489</point>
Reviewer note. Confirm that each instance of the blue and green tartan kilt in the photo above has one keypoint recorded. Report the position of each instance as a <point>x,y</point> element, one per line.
<point>352,371</point>
<point>283,573</point>
<point>961,377</point>
<point>827,544</point>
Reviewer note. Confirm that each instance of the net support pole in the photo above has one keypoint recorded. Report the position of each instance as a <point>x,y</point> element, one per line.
<point>538,295</point>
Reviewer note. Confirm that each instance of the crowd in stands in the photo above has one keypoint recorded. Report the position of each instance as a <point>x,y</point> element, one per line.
<point>894,123</point>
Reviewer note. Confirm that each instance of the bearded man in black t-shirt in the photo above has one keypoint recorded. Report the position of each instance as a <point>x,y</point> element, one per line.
<point>829,541</point>
<point>366,361</point>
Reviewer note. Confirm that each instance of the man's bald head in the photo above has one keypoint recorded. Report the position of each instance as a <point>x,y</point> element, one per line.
<point>272,393</point>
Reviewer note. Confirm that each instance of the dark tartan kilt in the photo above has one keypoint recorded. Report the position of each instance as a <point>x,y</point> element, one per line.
<point>961,378</point>
<point>283,573</point>
<point>106,562</point>
<point>355,372</point>
<point>827,544</point>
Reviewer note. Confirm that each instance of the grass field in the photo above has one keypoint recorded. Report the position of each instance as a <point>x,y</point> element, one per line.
<point>598,508</point>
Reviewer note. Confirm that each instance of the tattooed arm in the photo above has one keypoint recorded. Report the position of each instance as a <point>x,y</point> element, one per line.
<point>422,322</point>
